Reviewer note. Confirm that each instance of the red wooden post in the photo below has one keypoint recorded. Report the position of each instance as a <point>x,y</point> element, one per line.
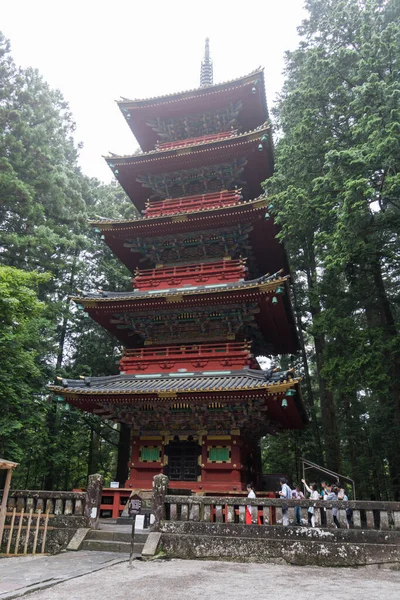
<point>116,503</point>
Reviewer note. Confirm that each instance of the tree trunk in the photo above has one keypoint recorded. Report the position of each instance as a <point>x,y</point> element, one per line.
<point>379,315</point>
<point>318,457</point>
<point>51,425</point>
<point>328,412</point>
<point>94,452</point>
<point>123,459</point>
<point>352,431</point>
<point>51,416</point>
<point>65,318</point>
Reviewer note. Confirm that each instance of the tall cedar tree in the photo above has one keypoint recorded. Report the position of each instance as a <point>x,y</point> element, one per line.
<point>336,195</point>
<point>45,202</point>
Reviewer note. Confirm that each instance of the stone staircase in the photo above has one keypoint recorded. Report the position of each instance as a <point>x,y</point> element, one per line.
<point>113,541</point>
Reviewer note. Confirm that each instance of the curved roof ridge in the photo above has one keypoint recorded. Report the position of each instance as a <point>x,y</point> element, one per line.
<point>86,381</point>
<point>142,219</point>
<point>261,128</point>
<point>203,90</point>
<point>198,382</point>
<point>105,296</point>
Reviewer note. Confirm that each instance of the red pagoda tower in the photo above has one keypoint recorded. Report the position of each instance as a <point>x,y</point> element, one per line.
<point>210,292</point>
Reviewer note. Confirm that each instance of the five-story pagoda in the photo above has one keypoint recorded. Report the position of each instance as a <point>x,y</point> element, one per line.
<point>210,292</point>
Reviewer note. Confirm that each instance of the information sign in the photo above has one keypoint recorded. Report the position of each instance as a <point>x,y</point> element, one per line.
<point>135,505</point>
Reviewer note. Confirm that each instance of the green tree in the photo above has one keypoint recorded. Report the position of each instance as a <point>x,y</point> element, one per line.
<point>45,203</point>
<point>336,195</point>
<point>22,369</point>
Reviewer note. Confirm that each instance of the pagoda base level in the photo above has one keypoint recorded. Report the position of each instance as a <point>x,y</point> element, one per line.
<point>200,462</point>
<point>182,487</point>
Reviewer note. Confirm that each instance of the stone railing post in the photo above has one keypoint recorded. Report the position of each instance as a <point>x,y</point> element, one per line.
<point>160,488</point>
<point>93,500</point>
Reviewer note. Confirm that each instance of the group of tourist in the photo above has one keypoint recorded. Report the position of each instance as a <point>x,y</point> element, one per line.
<point>328,492</point>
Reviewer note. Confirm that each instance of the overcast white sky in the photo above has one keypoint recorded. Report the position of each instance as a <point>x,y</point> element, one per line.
<point>96,51</point>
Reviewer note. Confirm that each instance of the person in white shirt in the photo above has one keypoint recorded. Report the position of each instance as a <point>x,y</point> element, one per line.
<point>250,509</point>
<point>314,495</point>
<point>286,493</point>
<point>324,493</point>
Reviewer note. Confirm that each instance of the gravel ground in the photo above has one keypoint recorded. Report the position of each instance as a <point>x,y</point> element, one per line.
<point>206,580</point>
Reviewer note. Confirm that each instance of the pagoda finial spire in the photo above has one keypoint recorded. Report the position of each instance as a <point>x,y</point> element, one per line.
<point>206,72</point>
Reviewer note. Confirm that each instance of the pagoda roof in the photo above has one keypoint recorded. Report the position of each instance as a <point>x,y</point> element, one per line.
<point>185,383</point>
<point>266,282</point>
<point>269,252</point>
<point>254,111</point>
<point>242,150</point>
<point>126,314</point>
<point>120,395</point>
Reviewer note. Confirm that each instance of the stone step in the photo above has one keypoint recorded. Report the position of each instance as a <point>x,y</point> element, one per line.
<point>111,546</point>
<point>115,536</point>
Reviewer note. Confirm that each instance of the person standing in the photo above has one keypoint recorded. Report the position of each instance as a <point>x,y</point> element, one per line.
<point>324,493</point>
<point>340,496</point>
<point>349,511</point>
<point>249,509</point>
<point>333,495</point>
<point>285,493</point>
<point>297,494</point>
<point>314,495</point>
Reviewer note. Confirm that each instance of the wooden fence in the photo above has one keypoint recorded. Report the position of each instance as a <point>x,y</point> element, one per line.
<point>24,527</point>
<point>30,515</point>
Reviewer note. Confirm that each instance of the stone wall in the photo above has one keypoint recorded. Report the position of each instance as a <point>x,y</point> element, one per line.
<point>294,545</point>
<point>214,528</point>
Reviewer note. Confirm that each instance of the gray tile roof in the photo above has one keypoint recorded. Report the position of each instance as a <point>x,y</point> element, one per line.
<point>174,382</point>
<point>182,290</point>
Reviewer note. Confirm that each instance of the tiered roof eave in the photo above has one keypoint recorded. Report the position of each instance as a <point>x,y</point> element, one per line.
<point>109,224</point>
<point>141,398</point>
<point>122,313</point>
<point>182,383</point>
<point>251,153</point>
<point>263,284</point>
<point>268,250</point>
<point>201,91</point>
<point>138,112</point>
<point>150,155</point>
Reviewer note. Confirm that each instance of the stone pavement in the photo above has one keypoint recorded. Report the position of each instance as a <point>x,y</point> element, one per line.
<point>22,575</point>
<point>203,580</point>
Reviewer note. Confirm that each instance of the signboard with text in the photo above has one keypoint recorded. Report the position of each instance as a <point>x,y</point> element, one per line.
<point>135,505</point>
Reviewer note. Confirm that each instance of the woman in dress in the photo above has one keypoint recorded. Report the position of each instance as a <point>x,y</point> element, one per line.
<point>314,495</point>
<point>251,494</point>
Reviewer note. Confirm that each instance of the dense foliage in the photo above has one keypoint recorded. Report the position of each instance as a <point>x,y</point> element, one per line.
<point>336,195</point>
<point>47,251</point>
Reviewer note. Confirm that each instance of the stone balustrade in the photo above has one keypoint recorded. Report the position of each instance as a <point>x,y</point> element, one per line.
<point>214,527</point>
<point>268,511</point>
<point>55,503</point>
